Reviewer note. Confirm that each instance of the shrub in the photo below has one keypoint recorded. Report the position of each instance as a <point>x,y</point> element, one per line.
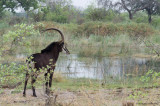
<point>13,38</point>
<point>9,73</point>
<point>61,17</point>
<point>151,76</point>
<point>15,20</point>
<point>37,17</point>
<point>95,14</point>
<point>105,29</point>
<point>156,21</point>
<point>22,31</point>
<point>138,29</point>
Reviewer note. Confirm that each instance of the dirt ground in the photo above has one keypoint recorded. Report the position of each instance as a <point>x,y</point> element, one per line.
<point>102,97</point>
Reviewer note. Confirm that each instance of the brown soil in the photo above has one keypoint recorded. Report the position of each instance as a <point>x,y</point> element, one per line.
<point>103,97</point>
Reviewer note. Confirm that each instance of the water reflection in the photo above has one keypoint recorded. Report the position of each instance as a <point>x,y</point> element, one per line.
<point>97,68</point>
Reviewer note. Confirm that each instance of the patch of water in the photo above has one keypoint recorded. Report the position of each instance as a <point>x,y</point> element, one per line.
<point>96,68</point>
<point>99,68</point>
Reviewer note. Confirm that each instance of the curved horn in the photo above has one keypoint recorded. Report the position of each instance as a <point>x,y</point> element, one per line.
<point>62,36</point>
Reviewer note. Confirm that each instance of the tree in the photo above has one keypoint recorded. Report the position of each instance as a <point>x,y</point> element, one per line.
<point>132,6</point>
<point>152,8</point>
<point>107,4</point>
<point>7,4</point>
<point>11,5</point>
<point>95,14</point>
<point>60,11</point>
<point>26,4</point>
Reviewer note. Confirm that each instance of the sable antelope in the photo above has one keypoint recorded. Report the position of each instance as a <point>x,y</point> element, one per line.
<point>44,60</point>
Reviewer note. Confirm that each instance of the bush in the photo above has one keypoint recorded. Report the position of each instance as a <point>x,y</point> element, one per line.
<point>16,37</point>
<point>61,18</point>
<point>22,31</point>
<point>95,14</point>
<point>156,21</point>
<point>135,29</point>
<point>9,73</point>
<point>105,29</point>
<point>16,20</point>
<point>37,17</point>
<point>140,17</point>
<point>96,28</point>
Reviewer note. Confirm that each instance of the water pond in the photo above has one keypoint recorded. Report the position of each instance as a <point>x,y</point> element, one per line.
<point>73,66</point>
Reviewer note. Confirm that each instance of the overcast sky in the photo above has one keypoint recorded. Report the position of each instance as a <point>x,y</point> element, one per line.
<point>82,3</point>
<point>78,3</point>
<point>85,3</point>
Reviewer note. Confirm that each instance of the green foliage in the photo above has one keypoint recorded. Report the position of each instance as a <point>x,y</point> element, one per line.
<point>151,76</point>
<point>60,11</point>
<point>12,39</point>
<point>156,39</point>
<point>9,73</point>
<point>9,4</point>
<point>3,24</point>
<point>61,17</point>
<point>156,21</point>
<point>137,95</point>
<point>37,16</point>
<point>110,15</point>
<point>95,14</point>
<point>141,17</point>
<point>105,29</point>
<point>26,4</point>
<point>22,31</point>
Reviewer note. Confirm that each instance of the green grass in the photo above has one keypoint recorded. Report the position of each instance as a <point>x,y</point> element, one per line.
<point>3,24</point>
<point>155,39</point>
<point>74,84</point>
<point>92,84</point>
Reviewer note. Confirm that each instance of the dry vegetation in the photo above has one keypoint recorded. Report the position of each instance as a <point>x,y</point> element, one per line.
<point>102,28</point>
<point>82,97</point>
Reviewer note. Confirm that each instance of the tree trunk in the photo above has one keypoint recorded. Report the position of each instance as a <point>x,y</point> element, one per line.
<point>130,15</point>
<point>149,18</point>
<point>149,15</point>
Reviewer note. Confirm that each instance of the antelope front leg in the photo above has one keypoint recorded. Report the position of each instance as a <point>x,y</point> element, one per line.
<point>34,77</point>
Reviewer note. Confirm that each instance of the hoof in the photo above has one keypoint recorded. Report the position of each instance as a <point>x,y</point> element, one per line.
<point>24,95</point>
<point>48,92</point>
<point>34,95</point>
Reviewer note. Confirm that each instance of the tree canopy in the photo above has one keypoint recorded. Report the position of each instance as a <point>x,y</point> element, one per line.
<point>7,4</point>
<point>13,4</point>
<point>132,6</point>
<point>26,4</point>
<point>152,7</point>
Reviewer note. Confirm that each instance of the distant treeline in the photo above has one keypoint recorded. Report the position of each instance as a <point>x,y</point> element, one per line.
<point>62,11</point>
